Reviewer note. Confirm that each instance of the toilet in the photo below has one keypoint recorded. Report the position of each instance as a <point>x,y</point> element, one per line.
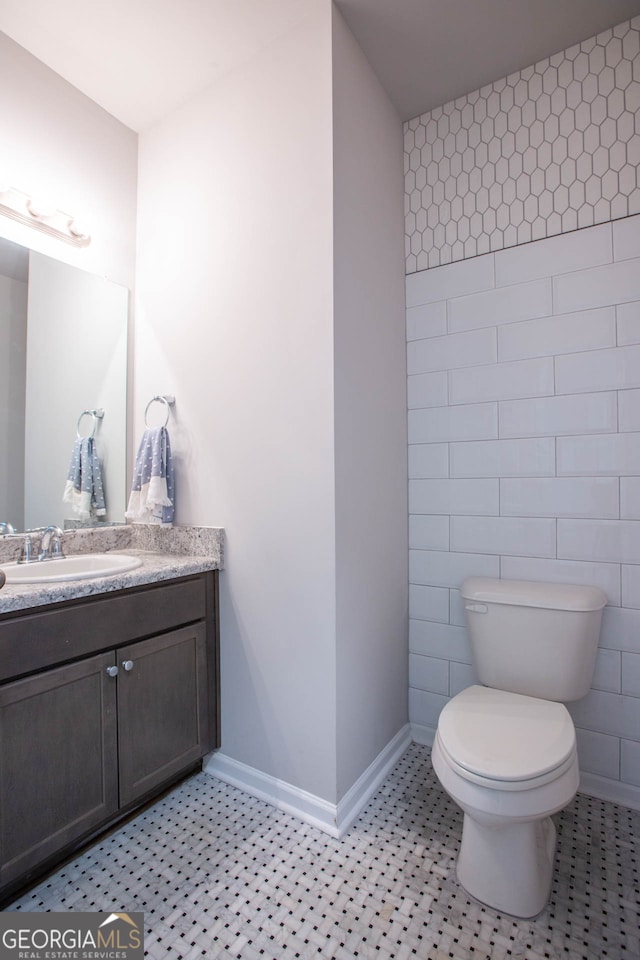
<point>505,751</point>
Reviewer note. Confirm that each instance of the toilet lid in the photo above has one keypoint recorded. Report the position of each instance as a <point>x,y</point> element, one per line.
<point>505,736</point>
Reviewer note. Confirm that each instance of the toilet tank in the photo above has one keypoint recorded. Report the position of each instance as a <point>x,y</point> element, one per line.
<point>538,639</point>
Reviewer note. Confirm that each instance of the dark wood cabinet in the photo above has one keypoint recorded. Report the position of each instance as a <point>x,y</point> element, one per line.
<point>85,739</point>
<point>163,709</point>
<point>58,756</point>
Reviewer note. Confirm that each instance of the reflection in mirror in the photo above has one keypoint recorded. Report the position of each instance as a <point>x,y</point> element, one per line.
<point>63,350</point>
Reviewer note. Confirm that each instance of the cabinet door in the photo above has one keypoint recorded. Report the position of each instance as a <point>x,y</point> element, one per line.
<point>58,761</point>
<point>163,709</point>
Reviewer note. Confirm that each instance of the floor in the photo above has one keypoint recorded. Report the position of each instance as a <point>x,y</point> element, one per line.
<point>220,874</point>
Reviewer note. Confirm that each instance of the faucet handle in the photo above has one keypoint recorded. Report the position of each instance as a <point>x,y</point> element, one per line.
<point>26,554</point>
<point>56,547</point>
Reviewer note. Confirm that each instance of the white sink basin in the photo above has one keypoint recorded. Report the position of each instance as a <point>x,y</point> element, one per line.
<point>81,567</point>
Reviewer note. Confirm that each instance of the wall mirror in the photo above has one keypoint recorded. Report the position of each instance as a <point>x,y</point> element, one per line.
<point>63,350</point>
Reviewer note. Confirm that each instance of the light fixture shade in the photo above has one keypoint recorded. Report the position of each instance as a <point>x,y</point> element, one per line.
<point>78,230</point>
<point>38,213</point>
<point>39,208</point>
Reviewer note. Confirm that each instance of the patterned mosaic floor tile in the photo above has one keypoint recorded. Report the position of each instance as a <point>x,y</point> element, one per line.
<point>220,874</point>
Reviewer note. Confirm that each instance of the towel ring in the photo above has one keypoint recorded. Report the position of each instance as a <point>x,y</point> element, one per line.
<point>160,398</point>
<point>97,415</point>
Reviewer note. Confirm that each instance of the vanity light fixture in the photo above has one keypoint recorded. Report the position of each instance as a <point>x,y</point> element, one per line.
<point>36,213</point>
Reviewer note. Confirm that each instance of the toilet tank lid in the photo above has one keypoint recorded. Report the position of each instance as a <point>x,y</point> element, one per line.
<point>530,593</point>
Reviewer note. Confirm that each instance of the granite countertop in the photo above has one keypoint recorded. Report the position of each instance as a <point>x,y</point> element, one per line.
<point>166,559</point>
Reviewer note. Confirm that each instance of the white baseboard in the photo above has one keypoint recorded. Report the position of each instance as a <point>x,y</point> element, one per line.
<point>335,819</point>
<point>357,797</point>
<point>308,807</point>
<point>423,734</point>
<point>624,794</point>
<point>331,818</point>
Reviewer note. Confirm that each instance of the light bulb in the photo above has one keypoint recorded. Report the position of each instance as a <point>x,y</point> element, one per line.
<point>77,229</point>
<point>39,208</point>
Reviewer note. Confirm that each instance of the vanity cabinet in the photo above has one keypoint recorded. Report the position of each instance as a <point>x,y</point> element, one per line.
<point>163,709</point>
<point>58,760</point>
<point>103,703</point>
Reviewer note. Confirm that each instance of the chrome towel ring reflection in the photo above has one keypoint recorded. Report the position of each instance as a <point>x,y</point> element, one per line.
<point>160,398</point>
<point>97,415</point>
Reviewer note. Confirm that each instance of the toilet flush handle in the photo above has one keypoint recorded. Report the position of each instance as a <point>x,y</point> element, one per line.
<point>476,607</point>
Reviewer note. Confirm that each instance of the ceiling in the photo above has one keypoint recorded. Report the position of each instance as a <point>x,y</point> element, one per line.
<point>427,52</point>
<point>140,59</point>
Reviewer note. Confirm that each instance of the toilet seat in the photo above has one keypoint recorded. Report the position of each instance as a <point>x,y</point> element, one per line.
<point>506,741</point>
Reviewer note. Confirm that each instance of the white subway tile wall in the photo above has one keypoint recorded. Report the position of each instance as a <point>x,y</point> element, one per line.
<point>630,587</point>
<point>429,459</point>
<point>427,389</point>
<point>628,322</point>
<point>525,462</point>
<point>503,458</point>
<point>542,152</point>
<point>630,762</point>
<point>599,753</point>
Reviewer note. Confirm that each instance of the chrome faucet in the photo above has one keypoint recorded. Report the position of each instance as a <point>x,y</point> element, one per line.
<point>51,544</point>
<point>6,527</point>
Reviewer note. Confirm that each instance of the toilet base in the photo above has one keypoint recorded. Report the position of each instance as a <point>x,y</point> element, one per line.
<point>508,867</point>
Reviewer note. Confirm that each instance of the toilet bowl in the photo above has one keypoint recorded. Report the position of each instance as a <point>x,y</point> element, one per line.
<point>505,751</point>
<point>509,762</point>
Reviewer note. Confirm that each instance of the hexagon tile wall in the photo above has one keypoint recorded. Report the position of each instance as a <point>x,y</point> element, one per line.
<point>544,151</point>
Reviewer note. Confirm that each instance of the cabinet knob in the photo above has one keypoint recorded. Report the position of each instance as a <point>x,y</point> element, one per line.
<point>128,665</point>
<point>112,671</point>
